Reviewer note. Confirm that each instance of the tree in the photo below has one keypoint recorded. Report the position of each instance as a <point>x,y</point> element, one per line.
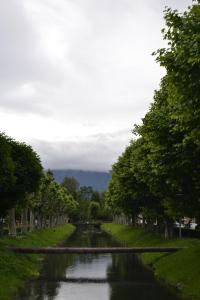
<point>85,192</point>
<point>128,190</point>
<point>72,185</point>
<point>53,205</point>
<point>182,62</point>
<point>96,196</point>
<point>28,170</point>
<point>159,173</point>
<point>7,177</point>
<point>19,175</point>
<point>94,209</point>
<point>28,173</point>
<point>162,159</point>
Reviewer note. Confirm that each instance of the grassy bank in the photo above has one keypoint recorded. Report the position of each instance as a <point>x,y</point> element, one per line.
<point>16,268</point>
<point>180,270</point>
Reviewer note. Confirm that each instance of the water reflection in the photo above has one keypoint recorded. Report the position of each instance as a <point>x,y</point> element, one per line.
<point>129,279</point>
<point>85,277</point>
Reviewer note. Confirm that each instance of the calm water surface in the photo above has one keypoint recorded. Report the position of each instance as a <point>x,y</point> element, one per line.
<point>94,277</point>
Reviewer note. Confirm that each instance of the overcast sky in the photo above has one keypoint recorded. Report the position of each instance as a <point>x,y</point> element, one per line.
<point>76,75</point>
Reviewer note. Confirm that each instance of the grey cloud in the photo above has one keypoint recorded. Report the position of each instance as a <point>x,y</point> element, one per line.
<point>102,77</point>
<point>98,152</point>
<point>19,45</point>
<point>22,60</point>
<point>101,58</point>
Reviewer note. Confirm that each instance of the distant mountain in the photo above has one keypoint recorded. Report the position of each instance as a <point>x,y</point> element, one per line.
<point>97,180</point>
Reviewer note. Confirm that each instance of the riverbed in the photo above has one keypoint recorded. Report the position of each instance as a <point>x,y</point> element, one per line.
<point>92,276</point>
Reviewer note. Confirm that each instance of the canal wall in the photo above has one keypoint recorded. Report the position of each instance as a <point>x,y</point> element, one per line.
<point>15,269</point>
<point>180,270</point>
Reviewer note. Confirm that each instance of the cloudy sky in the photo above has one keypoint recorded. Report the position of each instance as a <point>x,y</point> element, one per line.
<point>76,75</point>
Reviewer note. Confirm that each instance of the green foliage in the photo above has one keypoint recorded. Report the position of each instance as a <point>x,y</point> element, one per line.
<point>53,199</point>
<point>182,62</point>
<point>94,209</point>
<point>85,193</point>
<point>96,196</point>
<point>20,172</point>
<point>91,205</point>
<point>7,177</point>
<point>158,175</point>
<point>28,169</point>
<point>23,185</point>
<point>72,185</point>
<point>126,191</point>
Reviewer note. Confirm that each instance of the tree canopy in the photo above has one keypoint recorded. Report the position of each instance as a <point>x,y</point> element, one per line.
<point>158,175</point>
<point>20,172</point>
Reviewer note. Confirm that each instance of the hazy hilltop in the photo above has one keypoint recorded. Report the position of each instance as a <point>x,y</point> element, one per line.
<point>98,180</point>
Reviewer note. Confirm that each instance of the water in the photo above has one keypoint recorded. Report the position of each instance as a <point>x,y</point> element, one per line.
<point>94,277</point>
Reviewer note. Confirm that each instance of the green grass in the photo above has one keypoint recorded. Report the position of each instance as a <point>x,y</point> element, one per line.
<point>15,269</point>
<point>180,270</point>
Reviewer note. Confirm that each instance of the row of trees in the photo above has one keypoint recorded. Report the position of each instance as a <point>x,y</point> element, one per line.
<point>158,175</point>
<point>28,195</point>
<point>91,204</point>
<point>31,199</point>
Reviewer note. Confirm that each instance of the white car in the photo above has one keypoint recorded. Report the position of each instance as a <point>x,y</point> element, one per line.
<point>176,224</point>
<point>193,225</point>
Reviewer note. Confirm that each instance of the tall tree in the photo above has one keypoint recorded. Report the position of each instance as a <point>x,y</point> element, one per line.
<point>182,62</point>
<point>72,185</point>
<point>7,177</point>
<point>28,173</point>
<point>163,165</point>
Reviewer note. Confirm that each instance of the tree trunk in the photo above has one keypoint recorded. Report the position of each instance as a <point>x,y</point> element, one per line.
<point>12,222</point>
<point>149,225</point>
<point>1,227</point>
<point>180,229</point>
<point>43,222</point>
<point>51,221</point>
<point>31,220</point>
<point>24,220</point>
<point>134,220</point>
<point>39,222</point>
<point>168,229</point>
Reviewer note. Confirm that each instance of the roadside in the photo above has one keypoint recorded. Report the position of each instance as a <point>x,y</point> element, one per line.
<point>15,269</point>
<point>180,270</point>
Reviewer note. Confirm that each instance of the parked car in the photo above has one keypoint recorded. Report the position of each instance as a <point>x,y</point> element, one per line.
<point>177,224</point>
<point>193,225</point>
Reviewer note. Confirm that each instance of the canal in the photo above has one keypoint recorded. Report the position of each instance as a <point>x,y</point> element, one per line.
<point>92,276</point>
